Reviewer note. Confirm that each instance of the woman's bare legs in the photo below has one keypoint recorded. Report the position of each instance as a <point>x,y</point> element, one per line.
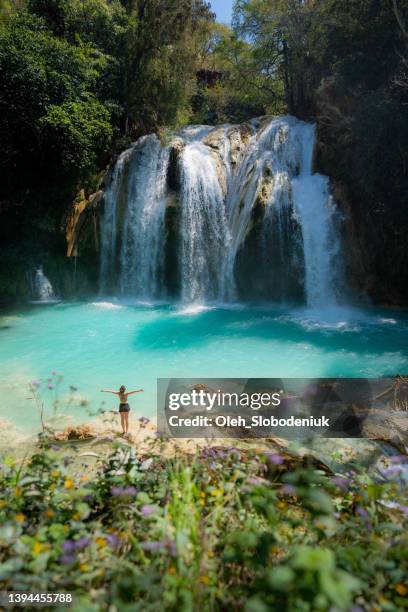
<point>126,415</point>
<point>123,421</point>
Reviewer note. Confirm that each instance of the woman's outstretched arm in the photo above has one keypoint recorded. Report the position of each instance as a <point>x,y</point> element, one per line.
<point>137,391</point>
<point>109,391</point>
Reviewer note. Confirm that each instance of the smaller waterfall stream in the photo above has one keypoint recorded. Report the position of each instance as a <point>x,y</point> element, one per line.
<point>42,286</point>
<point>318,216</point>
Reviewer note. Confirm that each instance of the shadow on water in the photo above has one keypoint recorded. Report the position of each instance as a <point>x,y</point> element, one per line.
<point>189,331</point>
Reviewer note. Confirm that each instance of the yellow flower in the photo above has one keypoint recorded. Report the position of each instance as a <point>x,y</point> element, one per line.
<point>401,589</point>
<point>69,483</point>
<point>17,492</point>
<point>2,503</point>
<point>20,518</point>
<point>171,570</point>
<point>49,513</point>
<point>77,516</point>
<point>84,567</point>
<point>202,494</point>
<point>204,580</point>
<point>85,478</point>
<point>38,548</point>
<point>202,502</point>
<point>101,542</point>
<point>55,473</point>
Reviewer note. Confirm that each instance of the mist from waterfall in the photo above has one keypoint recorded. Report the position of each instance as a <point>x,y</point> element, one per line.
<point>250,219</point>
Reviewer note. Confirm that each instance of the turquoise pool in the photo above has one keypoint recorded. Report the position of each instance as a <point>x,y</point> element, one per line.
<point>105,344</point>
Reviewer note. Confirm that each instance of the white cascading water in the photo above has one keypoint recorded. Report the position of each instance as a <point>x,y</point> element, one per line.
<point>317,215</point>
<point>42,286</point>
<point>226,193</point>
<point>139,178</point>
<point>204,230</point>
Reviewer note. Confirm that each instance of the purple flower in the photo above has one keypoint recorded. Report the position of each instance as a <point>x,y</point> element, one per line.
<point>288,489</point>
<point>82,543</point>
<point>256,480</point>
<point>275,459</point>
<point>340,482</point>
<point>147,510</point>
<point>172,548</point>
<point>362,512</point>
<point>398,459</point>
<point>72,546</point>
<point>402,508</point>
<point>113,540</point>
<point>68,546</point>
<point>392,470</point>
<point>154,545</point>
<point>123,491</point>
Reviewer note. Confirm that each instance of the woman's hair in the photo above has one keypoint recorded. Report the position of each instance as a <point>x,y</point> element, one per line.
<point>122,389</point>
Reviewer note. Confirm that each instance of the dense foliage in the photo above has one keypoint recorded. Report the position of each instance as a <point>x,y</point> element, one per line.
<point>225,529</point>
<point>79,79</point>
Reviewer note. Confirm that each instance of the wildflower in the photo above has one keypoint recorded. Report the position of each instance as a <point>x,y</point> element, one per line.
<point>113,540</point>
<point>172,570</point>
<point>288,489</point>
<point>17,492</point>
<point>172,548</point>
<point>55,473</point>
<point>401,589</point>
<point>84,567</point>
<point>148,510</point>
<point>275,458</point>
<point>100,542</point>
<point>72,546</point>
<point>204,580</point>
<point>123,491</point>
<point>38,548</point>
<point>393,470</point>
<point>20,518</point>
<point>339,482</point>
<point>362,511</point>
<point>49,513</point>
<point>69,483</point>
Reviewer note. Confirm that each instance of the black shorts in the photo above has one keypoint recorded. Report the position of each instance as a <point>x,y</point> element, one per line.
<point>124,408</point>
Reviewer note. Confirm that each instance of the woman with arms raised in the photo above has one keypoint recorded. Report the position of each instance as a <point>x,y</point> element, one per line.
<point>124,407</point>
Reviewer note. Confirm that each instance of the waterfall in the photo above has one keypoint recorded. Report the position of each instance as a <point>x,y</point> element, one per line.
<point>42,286</point>
<point>244,214</point>
<point>132,236</point>
<point>318,218</point>
<point>204,231</point>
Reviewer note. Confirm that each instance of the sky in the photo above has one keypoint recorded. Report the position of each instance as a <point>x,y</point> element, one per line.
<point>223,9</point>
